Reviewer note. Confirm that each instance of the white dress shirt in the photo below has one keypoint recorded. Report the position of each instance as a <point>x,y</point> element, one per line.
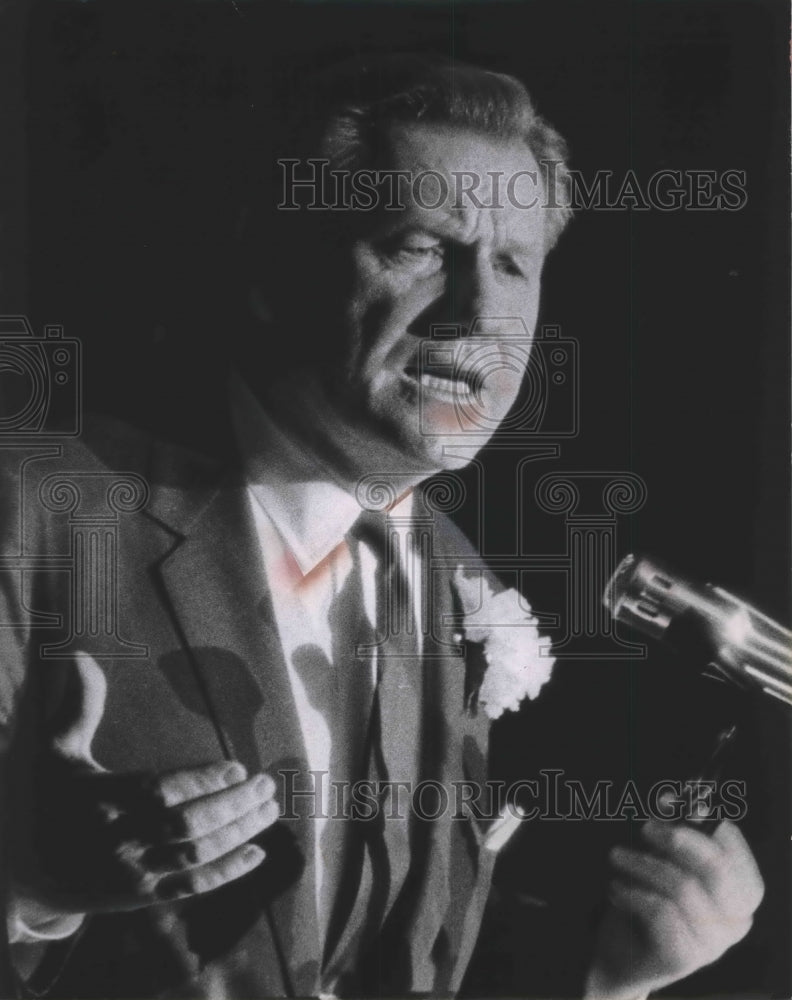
<point>301,516</point>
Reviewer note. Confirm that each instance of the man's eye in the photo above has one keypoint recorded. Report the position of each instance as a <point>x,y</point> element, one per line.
<point>510,268</point>
<point>428,251</point>
<point>427,257</point>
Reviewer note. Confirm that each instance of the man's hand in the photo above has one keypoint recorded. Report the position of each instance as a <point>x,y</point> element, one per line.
<point>675,905</point>
<point>96,841</point>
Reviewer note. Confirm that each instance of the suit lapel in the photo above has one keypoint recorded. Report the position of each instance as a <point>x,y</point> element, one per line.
<point>214,586</point>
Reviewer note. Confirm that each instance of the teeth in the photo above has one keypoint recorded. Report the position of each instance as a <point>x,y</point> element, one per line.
<point>452,388</point>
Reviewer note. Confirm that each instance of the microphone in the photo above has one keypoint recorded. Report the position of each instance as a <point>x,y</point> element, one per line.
<point>708,626</point>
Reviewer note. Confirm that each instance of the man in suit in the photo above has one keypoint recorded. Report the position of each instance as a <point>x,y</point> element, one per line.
<point>207,644</point>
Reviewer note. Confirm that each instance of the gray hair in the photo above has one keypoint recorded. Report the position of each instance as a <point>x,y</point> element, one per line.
<point>362,98</point>
<point>343,116</point>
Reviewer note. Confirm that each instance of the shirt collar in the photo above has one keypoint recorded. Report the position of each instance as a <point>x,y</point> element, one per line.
<point>310,510</point>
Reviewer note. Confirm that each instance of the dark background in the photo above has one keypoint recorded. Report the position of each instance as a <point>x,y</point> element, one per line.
<point>145,127</point>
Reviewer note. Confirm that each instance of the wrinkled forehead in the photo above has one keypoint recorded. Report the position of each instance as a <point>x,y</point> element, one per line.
<point>467,184</point>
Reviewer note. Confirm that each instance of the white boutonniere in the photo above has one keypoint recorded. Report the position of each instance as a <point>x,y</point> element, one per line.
<point>512,661</point>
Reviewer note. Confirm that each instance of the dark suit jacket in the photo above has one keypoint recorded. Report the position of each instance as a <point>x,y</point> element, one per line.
<point>195,672</point>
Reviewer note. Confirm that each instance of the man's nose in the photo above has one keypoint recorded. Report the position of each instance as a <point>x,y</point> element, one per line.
<point>472,289</point>
<point>476,300</point>
<point>472,301</point>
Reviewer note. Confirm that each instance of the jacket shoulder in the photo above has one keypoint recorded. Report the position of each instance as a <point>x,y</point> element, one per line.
<point>42,479</point>
<point>104,443</point>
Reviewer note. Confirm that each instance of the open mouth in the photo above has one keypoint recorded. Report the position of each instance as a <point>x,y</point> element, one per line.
<point>448,384</point>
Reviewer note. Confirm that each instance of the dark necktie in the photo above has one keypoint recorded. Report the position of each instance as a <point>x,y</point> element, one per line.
<point>348,712</point>
<point>380,844</point>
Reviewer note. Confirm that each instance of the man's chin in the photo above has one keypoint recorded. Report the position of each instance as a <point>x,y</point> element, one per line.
<point>421,447</point>
<point>440,453</point>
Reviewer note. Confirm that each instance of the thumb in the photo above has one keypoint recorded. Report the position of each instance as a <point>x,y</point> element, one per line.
<point>81,709</point>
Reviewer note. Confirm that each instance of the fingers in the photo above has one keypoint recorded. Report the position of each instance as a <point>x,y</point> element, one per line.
<point>182,786</point>
<point>688,887</point>
<point>178,806</point>
<point>144,838</point>
<point>171,858</point>
<point>742,862</point>
<point>648,879</point>
<point>689,849</point>
<point>210,815</point>
<point>722,863</point>
<point>648,872</point>
<point>692,939</point>
<point>206,878</point>
<point>199,817</point>
<point>215,850</point>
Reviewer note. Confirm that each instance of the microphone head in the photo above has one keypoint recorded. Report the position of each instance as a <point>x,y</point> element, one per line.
<point>705,624</point>
<point>643,595</point>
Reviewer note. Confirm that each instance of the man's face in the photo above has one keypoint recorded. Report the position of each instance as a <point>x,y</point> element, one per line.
<point>420,267</point>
